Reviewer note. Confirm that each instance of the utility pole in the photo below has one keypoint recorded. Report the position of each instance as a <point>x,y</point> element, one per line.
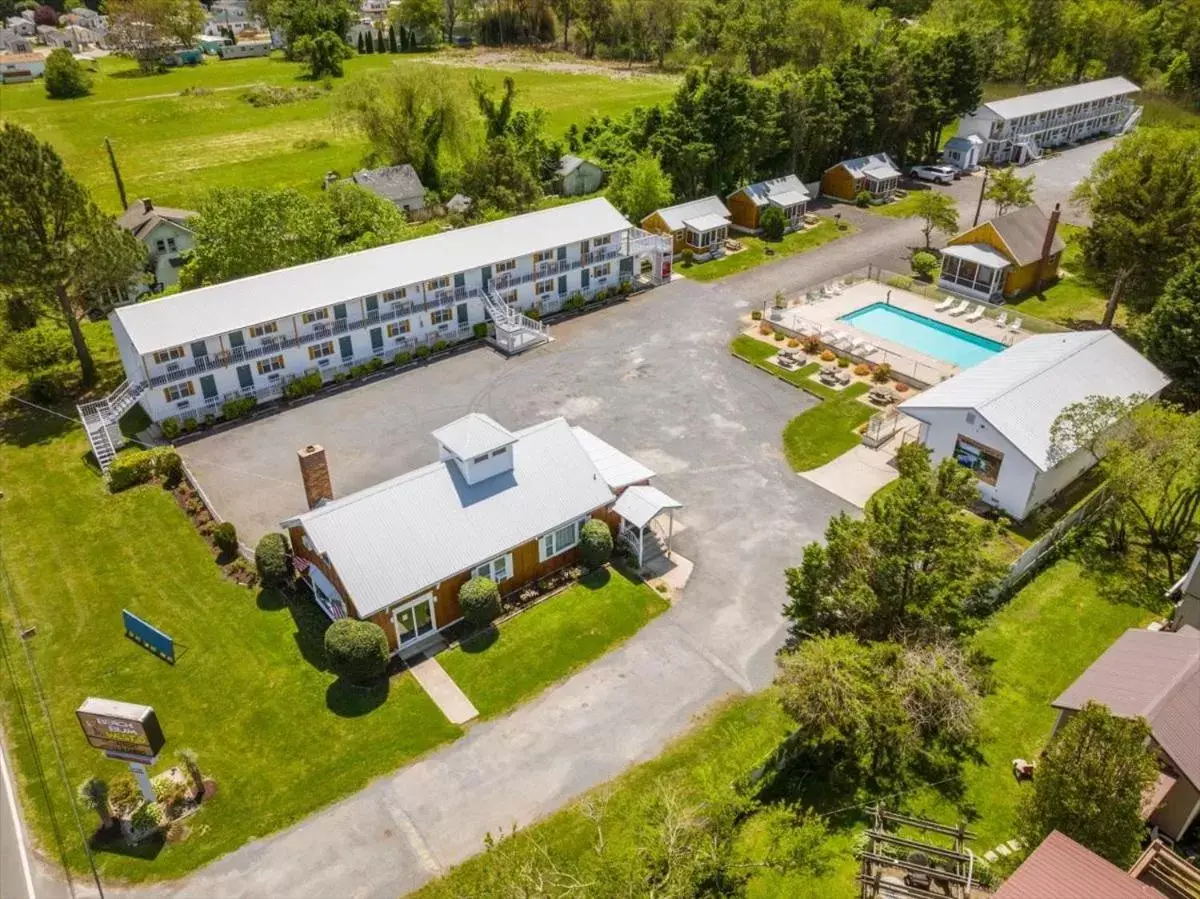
<point>112,160</point>
<point>979,205</point>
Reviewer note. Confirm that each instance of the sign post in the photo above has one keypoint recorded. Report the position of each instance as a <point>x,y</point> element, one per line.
<point>126,732</point>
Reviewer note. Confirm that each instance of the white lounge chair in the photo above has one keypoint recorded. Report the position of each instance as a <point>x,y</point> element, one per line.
<point>856,346</point>
<point>1001,320</point>
<point>976,314</point>
<point>1016,325</point>
<point>944,305</point>
<point>960,308</point>
<point>869,350</point>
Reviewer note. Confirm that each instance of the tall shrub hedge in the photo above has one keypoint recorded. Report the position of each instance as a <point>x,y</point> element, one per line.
<point>272,560</point>
<point>138,467</point>
<point>356,650</point>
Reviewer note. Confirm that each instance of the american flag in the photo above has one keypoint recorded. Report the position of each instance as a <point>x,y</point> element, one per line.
<point>301,563</point>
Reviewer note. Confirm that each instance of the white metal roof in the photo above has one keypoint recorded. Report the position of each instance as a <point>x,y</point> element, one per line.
<point>881,171</point>
<point>773,189</point>
<point>402,536</point>
<point>639,504</point>
<point>979,253</point>
<point>472,435</point>
<point>674,216</point>
<point>208,311</point>
<point>876,162</point>
<point>1022,390</point>
<point>789,197</point>
<point>707,222</point>
<point>617,469</point>
<point>1044,101</point>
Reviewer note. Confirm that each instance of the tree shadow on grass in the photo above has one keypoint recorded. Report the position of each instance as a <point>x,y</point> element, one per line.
<point>147,850</point>
<point>481,641</point>
<point>1127,578</point>
<point>347,700</point>
<point>311,624</point>
<point>271,600</point>
<point>22,425</point>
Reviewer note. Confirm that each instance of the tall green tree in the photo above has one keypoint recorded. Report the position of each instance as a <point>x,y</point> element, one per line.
<point>419,16</point>
<point>1008,190</point>
<point>147,30</point>
<point>938,211</point>
<point>1090,783</point>
<point>1171,333</point>
<point>324,53</point>
<point>1144,199</point>
<point>60,250</point>
<point>913,567</point>
<point>309,18</point>
<point>639,186</point>
<point>64,77</point>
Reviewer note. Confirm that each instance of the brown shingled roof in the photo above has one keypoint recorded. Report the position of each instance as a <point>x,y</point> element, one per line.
<point>1023,232</point>
<point>1062,869</point>
<point>142,215</point>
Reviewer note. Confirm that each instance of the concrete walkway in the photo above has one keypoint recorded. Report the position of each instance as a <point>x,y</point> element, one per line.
<point>855,476</point>
<point>442,690</point>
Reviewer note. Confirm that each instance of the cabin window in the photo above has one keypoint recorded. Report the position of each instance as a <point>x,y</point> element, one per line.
<point>497,570</point>
<point>437,284</point>
<point>984,461</point>
<point>396,329</point>
<point>543,256</point>
<point>175,352</point>
<point>176,392</point>
<point>499,452</point>
<point>441,316</point>
<point>603,241</point>
<point>546,286</point>
<point>314,315</point>
<point>559,541</point>
<point>320,350</point>
<point>506,266</point>
<point>390,296</point>
<point>478,460</point>
<point>263,330</point>
<point>266,366</point>
<point>602,271</point>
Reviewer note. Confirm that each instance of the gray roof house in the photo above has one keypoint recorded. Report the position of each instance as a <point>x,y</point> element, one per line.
<point>1153,675</point>
<point>578,176</point>
<point>398,183</point>
<point>164,231</point>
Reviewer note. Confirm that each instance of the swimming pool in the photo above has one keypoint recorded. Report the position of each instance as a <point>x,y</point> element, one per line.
<point>925,335</point>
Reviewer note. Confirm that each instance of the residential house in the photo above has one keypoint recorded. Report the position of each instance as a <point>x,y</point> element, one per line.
<point>19,67</point>
<point>12,44</point>
<point>963,152</point>
<point>996,417</point>
<point>700,226</point>
<point>1153,675</point>
<point>1016,130</point>
<point>186,354</point>
<point>1003,257</point>
<point>21,25</point>
<point>399,184</point>
<point>506,505</point>
<point>876,175</point>
<point>1186,595</point>
<point>165,233</point>
<point>75,38</point>
<point>244,49</point>
<point>747,204</point>
<point>1060,868</point>
<point>578,176</point>
<point>1162,869</point>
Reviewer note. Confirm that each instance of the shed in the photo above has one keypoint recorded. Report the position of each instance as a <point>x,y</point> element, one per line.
<point>398,183</point>
<point>579,176</point>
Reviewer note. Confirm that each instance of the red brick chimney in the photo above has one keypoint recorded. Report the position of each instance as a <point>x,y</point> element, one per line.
<point>314,471</point>
<point>1047,243</point>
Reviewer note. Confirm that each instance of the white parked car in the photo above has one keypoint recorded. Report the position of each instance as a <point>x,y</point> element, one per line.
<point>938,174</point>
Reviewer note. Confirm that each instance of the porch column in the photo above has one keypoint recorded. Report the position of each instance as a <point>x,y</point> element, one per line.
<point>670,531</point>
<point>641,545</point>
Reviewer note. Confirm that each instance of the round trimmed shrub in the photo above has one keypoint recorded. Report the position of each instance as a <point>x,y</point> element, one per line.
<point>479,600</point>
<point>773,223</point>
<point>924,265</point>
<point>595,543</point>
<point>225,537</point>
<point>272,560</point>
<point>862,199</point>
<point>828,356</point>
<point>356,650</point>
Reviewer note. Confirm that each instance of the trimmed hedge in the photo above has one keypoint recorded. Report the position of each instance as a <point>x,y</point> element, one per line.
<point>479,601</point>
<point>225,536</point>
<point>239,408</point>
<point>479,330</point>
<point>303,385</point>
<point>595,543</point>
<point>138,467</point>
<point>356,650</point>
<point>272,560</point>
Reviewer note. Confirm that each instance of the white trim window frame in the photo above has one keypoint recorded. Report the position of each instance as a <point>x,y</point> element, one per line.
<point>411,610</point>
<point>497,570</point>
<point>556,542</point>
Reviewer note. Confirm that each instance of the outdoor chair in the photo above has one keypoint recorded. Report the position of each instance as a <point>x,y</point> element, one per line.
<point>944,305</point>
<point>1001,319</point>
<point>976,314</point>
<point>960,308</point>
<point>1016,325</point>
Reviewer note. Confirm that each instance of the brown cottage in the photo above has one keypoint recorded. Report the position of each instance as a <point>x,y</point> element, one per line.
<point>507,505</point>
<point>876,174</point>
<point>747,204</point>
<point>700,226</point>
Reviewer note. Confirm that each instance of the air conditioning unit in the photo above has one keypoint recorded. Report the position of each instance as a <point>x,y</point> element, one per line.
<point>172,366</point>
<point>183,404</point>
<point>322,362</point>
<point>273,377</point>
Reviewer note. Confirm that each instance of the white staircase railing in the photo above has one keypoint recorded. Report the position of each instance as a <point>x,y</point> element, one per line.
<point>515,331</point>
<point>102,420</point>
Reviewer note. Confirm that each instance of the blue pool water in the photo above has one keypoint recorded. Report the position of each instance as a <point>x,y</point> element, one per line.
<point>925,335</point>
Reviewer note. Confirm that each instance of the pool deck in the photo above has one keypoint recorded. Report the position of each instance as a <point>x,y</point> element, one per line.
<point>825,315</point>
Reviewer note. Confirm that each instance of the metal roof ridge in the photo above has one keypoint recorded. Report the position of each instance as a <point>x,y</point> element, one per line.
<point>1050,367</point>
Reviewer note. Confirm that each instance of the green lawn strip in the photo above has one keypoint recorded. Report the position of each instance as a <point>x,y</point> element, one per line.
<point>526,654</point>
<point>826,431</point>
<point>899,209</point>
<point>1041,642</point>
<point>755,252</point>
<point>756,352</point>
<point>275,731</point>
<point>175,147</point>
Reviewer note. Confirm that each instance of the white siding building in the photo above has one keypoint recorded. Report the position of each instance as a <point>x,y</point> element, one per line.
<point>996,417</point>
<point>1017,129</point>
<point>187,354</point>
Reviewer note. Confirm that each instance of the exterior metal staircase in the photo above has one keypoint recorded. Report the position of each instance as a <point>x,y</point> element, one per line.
<point>515,332</point>
<point>1134,118</point>
<point>102,420</point>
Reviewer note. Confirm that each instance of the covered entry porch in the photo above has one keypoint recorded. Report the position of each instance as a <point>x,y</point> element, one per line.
<point>975,270</point>
<point>705,235</point>
<point>640,509</point>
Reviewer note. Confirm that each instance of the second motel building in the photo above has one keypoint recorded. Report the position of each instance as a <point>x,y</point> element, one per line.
<point>507,505</point>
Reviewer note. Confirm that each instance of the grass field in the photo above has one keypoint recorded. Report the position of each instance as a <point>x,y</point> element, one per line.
<point>545,644</point>
<point>756,249</point>
<point>1073,300</point>
<point>175,147</point>
<point>826,431</point>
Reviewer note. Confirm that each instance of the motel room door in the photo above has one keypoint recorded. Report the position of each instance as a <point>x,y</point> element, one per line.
<point>414,621</point>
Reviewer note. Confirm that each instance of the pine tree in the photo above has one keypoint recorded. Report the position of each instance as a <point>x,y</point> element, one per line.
<point>361,46</point>
<point>391,39</point>
<point>369,40</point>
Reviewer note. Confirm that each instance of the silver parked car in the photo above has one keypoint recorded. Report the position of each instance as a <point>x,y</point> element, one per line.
<point>938,174</point>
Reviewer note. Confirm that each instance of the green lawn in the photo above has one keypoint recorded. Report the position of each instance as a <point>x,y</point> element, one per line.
<point>1073,300</point>
<point>755,252</point>
<point>527,653</point>
<point>174,148</point>
<point>826,431</point>
<point>902,208</point>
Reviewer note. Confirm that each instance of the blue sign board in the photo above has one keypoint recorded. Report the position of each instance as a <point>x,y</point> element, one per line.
<point>147,635</point>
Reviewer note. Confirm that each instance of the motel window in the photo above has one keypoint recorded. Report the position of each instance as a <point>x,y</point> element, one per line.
<point>390,296</point>
<point>497,570</point>
<point>507,266</point>
<point>546,286</point>
<point>263,330</point>
<point>984,461</point>
<point>509,297</point>
<point>441,316</point>
<point>437,284</point>
<point>499,452</point>
<point>478,460</point>
<point>396,329</point>
<point>175,352</point>
<point>602,271</point>
<point>543,256</point>
<point>320,350</point>
<point>602,241</point>
<point>266,366</point>
<point>559,541</point>
<point>314,315</point>
<point>176,392</point>
<point>160,245</point>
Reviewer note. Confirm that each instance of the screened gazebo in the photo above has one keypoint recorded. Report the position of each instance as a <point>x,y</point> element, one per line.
<point>974,269</point>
